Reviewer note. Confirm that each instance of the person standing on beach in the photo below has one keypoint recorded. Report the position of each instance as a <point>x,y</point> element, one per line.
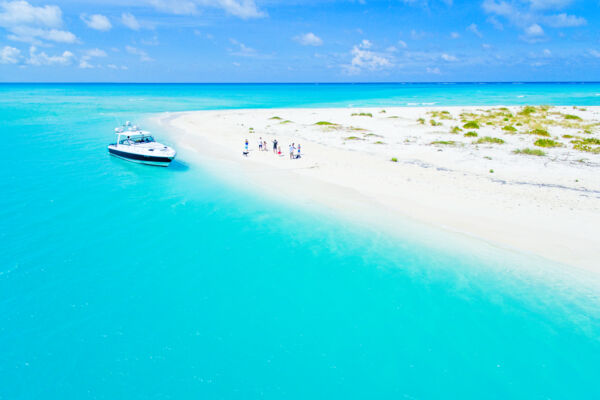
<point>265,145</point>
<point>275,146</point>
<point>246,151</point>
<point>292,148</point>
<point>298,156</point>
<point>260,144</point>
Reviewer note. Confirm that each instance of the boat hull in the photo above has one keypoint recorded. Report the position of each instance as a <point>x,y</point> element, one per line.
<point>141,159</point>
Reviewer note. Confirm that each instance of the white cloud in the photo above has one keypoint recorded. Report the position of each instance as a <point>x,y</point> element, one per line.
<point>30,24</point>
<point>549,4</point>
<point>474,29</point>
<point>448,57</point>
<point>525,14</point>
<point>594,53</point>
<point>435,71</point>
<point>534,30</point>
<point>130,21</point>
<point>138,52</point>
<point>564,21</point>
<point>363,58</point>
<point>495,23</point>
<point>96,53</point>
<point>547,53</point>
<point>39,59</point>
<point>113,66</point>
<point>15,13</point>
<point>309,39</point>
<point>97,21</point>
<point>417,35</point>
<point>455,35</point>
<point>242,50</point>
<point>402,44</point>
<point>9,55</point>
<point>244,9</point>
<point>35,35</point>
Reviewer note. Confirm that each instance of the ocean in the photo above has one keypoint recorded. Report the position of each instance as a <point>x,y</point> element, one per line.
<point>123,281</point>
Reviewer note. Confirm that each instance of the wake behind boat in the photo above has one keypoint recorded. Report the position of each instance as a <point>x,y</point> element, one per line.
<point>136,145</point>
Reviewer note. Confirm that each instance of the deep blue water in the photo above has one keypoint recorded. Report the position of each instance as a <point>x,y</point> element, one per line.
<point>125,281</point>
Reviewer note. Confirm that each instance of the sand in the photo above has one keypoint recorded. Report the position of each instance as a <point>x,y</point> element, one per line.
<point>546,205</point>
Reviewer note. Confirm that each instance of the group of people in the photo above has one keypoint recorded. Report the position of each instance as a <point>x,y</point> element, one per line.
<point>294,150</point>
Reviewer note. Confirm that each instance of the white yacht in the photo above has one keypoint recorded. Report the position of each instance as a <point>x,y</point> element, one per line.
<point>134,144</point>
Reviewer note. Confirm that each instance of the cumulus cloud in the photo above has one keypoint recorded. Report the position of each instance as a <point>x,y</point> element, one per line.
<point>454,35</point>
<point>448,57</point>
<point>97,21</point>
<point>564,21</point>
<point>365,59</point>
<point>244,9</point>
<point>533,12</point>
<point>309,39</point>
<point>534,30</point>
<point>41,58</point>
<point>27,23</point>
<point>130,21</point>
<point>15,13</point>
<point>474,29</point>
<point>138,52</point>
<point>402,44</point>
<point>9,55</point>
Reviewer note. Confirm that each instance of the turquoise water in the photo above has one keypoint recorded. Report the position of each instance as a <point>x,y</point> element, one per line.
<point>124,281</point>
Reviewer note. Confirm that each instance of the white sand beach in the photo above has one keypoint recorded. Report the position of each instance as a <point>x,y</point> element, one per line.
<point>378,164</point>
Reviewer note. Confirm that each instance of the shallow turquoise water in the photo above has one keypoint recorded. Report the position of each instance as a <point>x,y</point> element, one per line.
<point>125,281</point>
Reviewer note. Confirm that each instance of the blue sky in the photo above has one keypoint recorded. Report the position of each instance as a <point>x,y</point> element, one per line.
<point>299,40</point>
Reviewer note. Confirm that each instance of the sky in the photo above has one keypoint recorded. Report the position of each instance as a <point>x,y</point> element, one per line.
<point>299,40</point>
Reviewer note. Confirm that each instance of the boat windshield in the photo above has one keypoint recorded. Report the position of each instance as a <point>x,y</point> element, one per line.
<point>129,140</point>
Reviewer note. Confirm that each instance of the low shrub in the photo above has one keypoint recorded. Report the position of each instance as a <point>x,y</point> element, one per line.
<point>530,152</point>
<point>471,125</point>
<point>547,143</point>
<point>471,134</point>
<point>488,139</point>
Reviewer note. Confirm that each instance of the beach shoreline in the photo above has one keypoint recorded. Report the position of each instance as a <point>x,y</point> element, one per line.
<point>544,205</point>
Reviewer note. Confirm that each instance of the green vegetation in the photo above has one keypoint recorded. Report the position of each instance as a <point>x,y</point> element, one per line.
<point>471,134</point>
<point>471,125</point>
<point>547,143</point>
<point>571,116</point>
<point>589,145</point>
<point>509,128</point>
<point>362,114</point>
<point>382,112</point>
<point>379,142</point>
<point>432,122</point>
<point>530,152</point>
<point>371,134</point>
<point>491,171</point>
<point>456,129</point>
<point>275,117</point>
<point>352,138</point>
<point>394,159</point>
<point>444,142</point>
<point>568,136</point>
<point>539,132</point>
<point>440,114</point>
<point>527,110</point>
<point>325,123</point>
<point>421,121</point>
<point>393,116</point>
<point>287,121</point>
<point>488,139</point>
<point>355,128</point>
